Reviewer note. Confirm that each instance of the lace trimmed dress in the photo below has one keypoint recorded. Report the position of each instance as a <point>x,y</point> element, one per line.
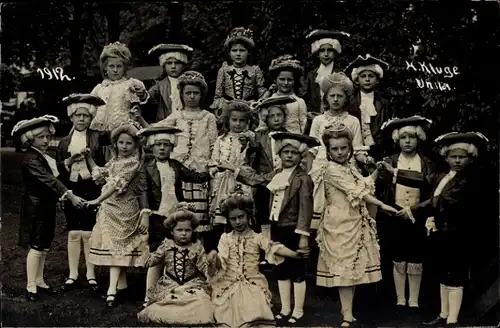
<point>119,97</point>
<point>194,149</point>
<point>228,148</point>
<point>239,291</point>
<point>182,295</point>
<point>320,162</point>
<point>245,83</point>
<point>347,235</point>
<point>115,239</point>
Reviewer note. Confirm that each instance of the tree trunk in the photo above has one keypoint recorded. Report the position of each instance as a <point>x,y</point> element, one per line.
<point>240,14</point>
<point>175,9</point>
<point>112,14</point>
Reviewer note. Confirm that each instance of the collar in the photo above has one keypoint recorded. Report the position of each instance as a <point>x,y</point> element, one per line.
<point>80,133</point>
<point>325,69</point>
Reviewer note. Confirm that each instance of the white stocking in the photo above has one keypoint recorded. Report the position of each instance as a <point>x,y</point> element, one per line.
<point>414,280</point>
<point>32,266</point>
<point>346,298</point>
<point>40,282</point>
<point>86,252</point>
<point>299,294</point>
<point>114,274</point>
<point>122,280</point>
<point>445,305</point>
<point>74,248</point>
<point>399,273</point>
<point>455,295</point>
<point>285,289</point>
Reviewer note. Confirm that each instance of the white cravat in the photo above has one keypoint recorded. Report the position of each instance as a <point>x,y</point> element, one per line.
<point>52,162</point>
<point>168,196</point>
<point>175,95</point>
<point>367,107</point>
<point>77,144</point>
<point>323,71</point>
<point>277,186</point>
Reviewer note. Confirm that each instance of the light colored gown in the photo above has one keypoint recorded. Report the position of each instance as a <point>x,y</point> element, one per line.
<point>347,235</point>
<point>318,126</point>
<point>115,238</point>
<point>239,291</point>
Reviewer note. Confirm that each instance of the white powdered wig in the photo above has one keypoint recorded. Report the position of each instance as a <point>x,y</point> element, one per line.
<point>73,107</point>
<point>411,129</point>
<point>152,139</point>
<point>301,147</point>
<point>333,42</point>
<point>180,56</point>
<point>471,149</point>
<point>375,68</point>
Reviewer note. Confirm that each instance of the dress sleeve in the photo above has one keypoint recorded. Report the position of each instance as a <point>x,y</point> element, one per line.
<point>158,256</point>
<point>259,82</point>
<point>302,114</point>
<point>201,263</point>
<point>315,126</point>
<point>219,88</point>
<point>270,248</point>
<point>344,180</point>
<point>211,131</point>
<point>38,171</point>
<point>223,255</point>
<point>171,120</point>
<point>357,139</point>
<point>215,159</point>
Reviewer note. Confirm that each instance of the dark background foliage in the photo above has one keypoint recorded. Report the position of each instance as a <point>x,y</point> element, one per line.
<point>462,34</point>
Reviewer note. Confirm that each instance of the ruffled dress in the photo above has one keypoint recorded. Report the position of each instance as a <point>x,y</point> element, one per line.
<point>240,292</point>
<point>318,126</point>
<point>115,239</point>
<point>119,97</point>
<point>228,148</point>
<point>347,235</point>
<point>182,295</point>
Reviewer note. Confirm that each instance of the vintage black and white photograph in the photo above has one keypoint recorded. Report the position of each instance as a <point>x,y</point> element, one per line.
<point>250,164</point>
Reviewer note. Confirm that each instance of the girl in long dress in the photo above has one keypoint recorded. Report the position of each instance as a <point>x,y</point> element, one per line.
<point>117,239</point>
<point>119,92</point>
<point>182,295</point>
<point>239,291</point>
<point>347,235</point>
<point>195,143</point>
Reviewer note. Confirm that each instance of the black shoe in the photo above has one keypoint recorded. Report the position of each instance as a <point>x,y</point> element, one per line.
<point>47,290</point>
<point>111,300</point>
<point>438,322</point>
<point>281,319</point>
<point>69,284</point>
<point>296,322</point>
<point>92,283</point>
<point>400,309</point>
<point>454,324</point>
<point>32,297</point>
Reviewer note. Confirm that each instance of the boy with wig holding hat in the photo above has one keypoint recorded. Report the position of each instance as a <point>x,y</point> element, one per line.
<point>367,103</point>
<point>406,178</point>
<point>42,190</point>
<point>326,45</point>
<point>165,94</point>
<point>77,175</point>
<point>164,186</point>
<point>291,210</point>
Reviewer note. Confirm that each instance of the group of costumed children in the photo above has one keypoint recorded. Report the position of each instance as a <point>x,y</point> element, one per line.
<point>202,197</point>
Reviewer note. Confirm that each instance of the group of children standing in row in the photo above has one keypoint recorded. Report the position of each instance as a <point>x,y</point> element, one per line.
<point>254,181</point>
